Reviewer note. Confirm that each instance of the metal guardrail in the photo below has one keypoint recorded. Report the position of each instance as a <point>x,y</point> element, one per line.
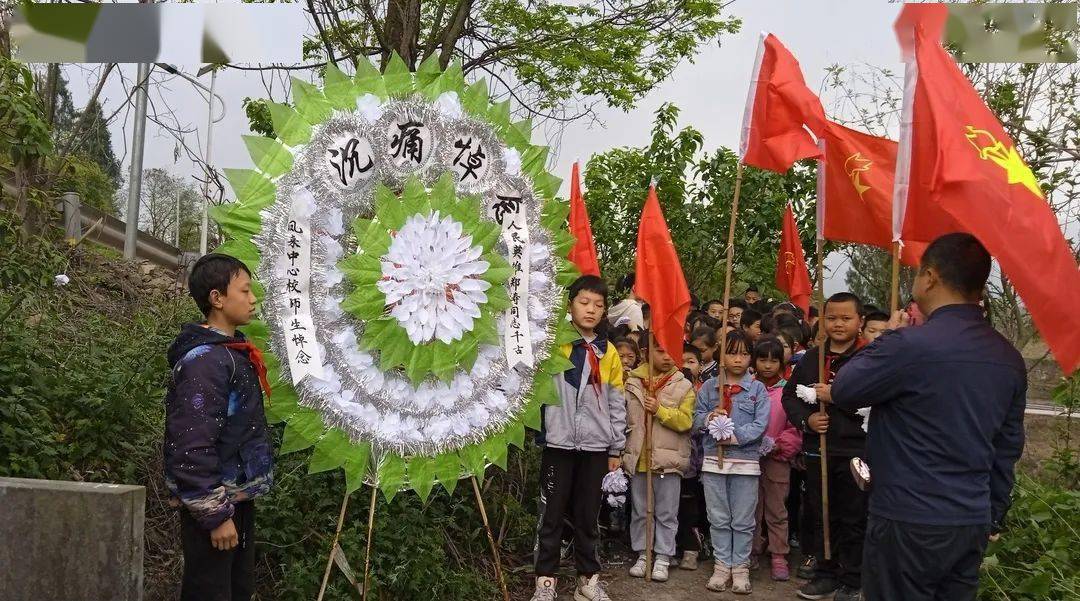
<point>79,218</point>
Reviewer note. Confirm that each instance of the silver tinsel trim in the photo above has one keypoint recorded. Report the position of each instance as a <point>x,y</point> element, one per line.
<point>312,169</point>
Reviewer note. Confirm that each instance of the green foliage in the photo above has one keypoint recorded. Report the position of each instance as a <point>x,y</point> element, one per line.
<point>258,115</point>
<point>695,190</point>
<point>1064,464</point>
<point>82,174</point>
<point>869,275</point>
<point>24,136</point>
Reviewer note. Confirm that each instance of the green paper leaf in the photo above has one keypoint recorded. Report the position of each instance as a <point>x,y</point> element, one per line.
<point>396,350</point>
<point>283,401</point>
<point>368,79</point>
<point>250,187</point>
<point>398,78</point>
<point>366,302</point>
<point>389,210</point>
<point>515,434</point>
<point>372,237</point>
<point>243,250</point>
<point>454,76</point>
<point>555,215</point>
<point>497,299</point>
<point>556,363</point>
<point>422,476</point>
<point>566,273</point>
<point>547,184</point>
<point>475,101</point>
<point>534,159</point>
<point>519,136</point>
<point>443,361</point>
<point>258,290</point>
<point>486,234</point>
<point>429,71</point>
<point>257,332</point>
<point>391,476</point>
<point>566,333</point>
<point>339,88</point>
<point>289,126</point>
<point>544,390</point>
<point>448,470</point>
<point>361,268</point>
<point>302,431</point>
<point>376,333</point>
<point>269,155</point>
<point>563,242</point>
<point>531,416</point>
<point>443,193</point>
<point>472,459</point>
<point>467,349</point>
<point>495,449</point>
<point>499,270</point>
<point>356,466</point>
<point>310,102</point>
<point>236,220</point>
<point>419,363</point>
<point>414,198</point>
<point>330,452</point>
<point>499,115</point>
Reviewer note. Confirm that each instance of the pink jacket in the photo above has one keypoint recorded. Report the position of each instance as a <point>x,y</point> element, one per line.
<point>788,438</point>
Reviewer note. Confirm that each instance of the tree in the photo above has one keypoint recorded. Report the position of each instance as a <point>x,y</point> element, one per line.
<point>158,207</point>
<point>554,59</point>
<point>695,190</point>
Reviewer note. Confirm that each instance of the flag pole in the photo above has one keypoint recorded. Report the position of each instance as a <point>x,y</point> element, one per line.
<point>721,379</point>
<point>334,546</point>
<point>491,539</point>
<point>649,501</point>
<point>894,286</point>
<point>370,530</point>
<point>819,242</point>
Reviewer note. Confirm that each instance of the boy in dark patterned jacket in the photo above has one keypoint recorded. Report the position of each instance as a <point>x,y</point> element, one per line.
<point>217,449</point>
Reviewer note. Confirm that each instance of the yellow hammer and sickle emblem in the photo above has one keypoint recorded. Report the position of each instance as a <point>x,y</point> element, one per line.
<point>855,165</point>
<point>789,262</point>
<point>991,149</point>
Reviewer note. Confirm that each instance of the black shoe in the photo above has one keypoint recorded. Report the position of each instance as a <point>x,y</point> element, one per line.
<point>848,593</point>
<point>819,588</point>
<point>806,570</point>
<point>793,542</point>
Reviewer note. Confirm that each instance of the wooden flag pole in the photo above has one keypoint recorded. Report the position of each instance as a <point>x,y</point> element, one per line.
<point>334,546</point>
<point>894,287</point>
<point>491,539</point>
<point>370,530</point>
<point>823,339</point>
<point>721,373</point>
<point>649,501</point>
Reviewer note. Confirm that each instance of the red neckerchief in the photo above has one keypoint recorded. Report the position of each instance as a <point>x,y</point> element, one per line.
<point>859,343</point>
<point>256,357</point>
<point>652,385</point>
<point>730,390</point>
<point>594,369</point>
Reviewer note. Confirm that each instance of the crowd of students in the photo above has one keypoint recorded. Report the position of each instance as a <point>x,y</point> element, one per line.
<point>745,494</point>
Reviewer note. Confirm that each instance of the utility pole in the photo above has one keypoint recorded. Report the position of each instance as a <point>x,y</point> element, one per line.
<point>131,230</point>
<point>206,159</point>
<point>176,242</point>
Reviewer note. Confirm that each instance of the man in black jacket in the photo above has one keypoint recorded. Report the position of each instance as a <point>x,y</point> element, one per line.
<point>946,428</point>
<point>844,438</point>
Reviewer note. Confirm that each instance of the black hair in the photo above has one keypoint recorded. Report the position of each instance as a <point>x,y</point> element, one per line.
<point>708,304</point>
<point>790,309</point>
<point>631,344</point>
<point>961,261</point>
<point>213,272</point>
<point>795,334</point>
<point>646,312</point>
<point>751,288</point>
<point>877,316</point>
<point>590,283</point>
<point>737,303</point>
<point>711,322</point>
<point>621,331</point>
<point>767,323</point>
<point>693,350</point>
<point>735,339</point>
<point>813,310</point>
<point>707,333</point>
<point>749,316</point>
<point>783,318</point>
<point>694,300</point>
<point>846,297</point>
<point>625,285</point>
<point>769,347</point>
<point>868,309</point>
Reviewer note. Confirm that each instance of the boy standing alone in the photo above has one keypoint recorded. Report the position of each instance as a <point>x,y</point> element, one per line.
<point>582,439</point>
<point>217,452</point>
<point>845,439</point>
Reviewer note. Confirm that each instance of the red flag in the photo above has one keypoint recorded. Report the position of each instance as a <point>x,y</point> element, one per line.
<point>966,175</point>
<point>777,107</point>
<point>583,254</point>
<point>659,279</point>
<point>857,195</point>
<point>791,274</point>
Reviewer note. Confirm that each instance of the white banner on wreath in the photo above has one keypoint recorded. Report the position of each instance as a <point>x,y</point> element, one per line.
<point>508,212</point>
<point>305,358</point>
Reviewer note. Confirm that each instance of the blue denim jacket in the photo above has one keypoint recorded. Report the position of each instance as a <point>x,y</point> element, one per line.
<point>749,409</point>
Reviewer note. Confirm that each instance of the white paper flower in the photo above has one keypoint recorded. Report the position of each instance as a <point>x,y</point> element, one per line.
<point>806,393</point>
<point>61,280</point>
<point>449,105</point>
<point>767,445</point>
<point>614,482</point>
<point>370,107</point>
<point>512,160</point>
<point>431,279</point>
<point>865,413</point>
<point>616,500</point>
<point>721,427</point>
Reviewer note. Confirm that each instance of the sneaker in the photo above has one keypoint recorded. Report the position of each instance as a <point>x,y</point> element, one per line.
<point>755,561</point>
<point>590,589</point>
<point>545,589</point>
<point>740,580</point>
<point>660,569</point>
<point>780,570</point>
<point>806,570</point>
<point>689,561</point>
<point>848,593</point>
<point>793,541</point>
<point>721,577</point>
<point>819,588</point>
<point>638,569</point>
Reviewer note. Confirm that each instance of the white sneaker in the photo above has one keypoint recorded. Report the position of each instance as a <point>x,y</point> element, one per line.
<point>590,589</point>
<point>660,569</point>
<point>545,589</point>
<point>638,569</point>
<point>740,580</point>
<point>721,577</point>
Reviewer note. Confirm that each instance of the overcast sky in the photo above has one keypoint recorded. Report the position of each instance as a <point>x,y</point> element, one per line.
<point>710,92</point>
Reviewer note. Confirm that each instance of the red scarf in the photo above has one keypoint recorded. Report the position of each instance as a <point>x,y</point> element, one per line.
<point>652,385</point>
<point>256,357</point>
<point>730,390</point>
<point>594,368</point>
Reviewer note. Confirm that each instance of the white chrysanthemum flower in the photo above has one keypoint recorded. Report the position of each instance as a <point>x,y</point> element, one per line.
<point>431,279</point>
<point>449,105</point>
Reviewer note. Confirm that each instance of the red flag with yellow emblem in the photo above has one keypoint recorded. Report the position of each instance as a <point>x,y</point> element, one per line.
<point>792,276</point>
<point>858,191</point>
<point>964,174</point>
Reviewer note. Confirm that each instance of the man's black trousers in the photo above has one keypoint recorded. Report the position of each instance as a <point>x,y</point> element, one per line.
<point>569,485</point>
<point>212,575</point>
<point>847,520</point>
<point>917,562</point>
